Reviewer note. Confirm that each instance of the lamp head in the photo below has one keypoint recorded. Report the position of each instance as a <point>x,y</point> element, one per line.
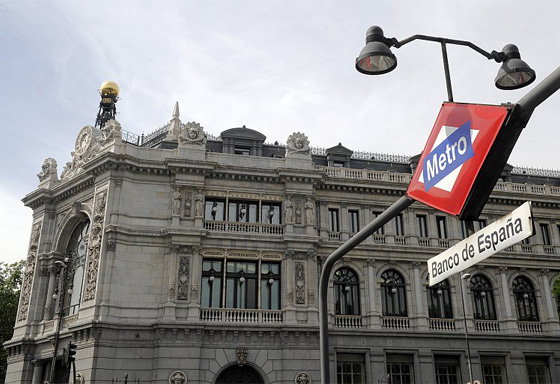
<point>376,57</point>
<point>514,72</point>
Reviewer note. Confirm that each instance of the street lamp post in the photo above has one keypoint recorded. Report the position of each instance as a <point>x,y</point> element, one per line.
<point>469,362</point>
<point>376,58</point>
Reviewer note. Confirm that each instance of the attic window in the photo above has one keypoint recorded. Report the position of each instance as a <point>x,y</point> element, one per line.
<point>338,164</point>
<point>242,151</point>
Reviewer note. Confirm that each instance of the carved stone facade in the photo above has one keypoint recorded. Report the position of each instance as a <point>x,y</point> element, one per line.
<point>188,277</point>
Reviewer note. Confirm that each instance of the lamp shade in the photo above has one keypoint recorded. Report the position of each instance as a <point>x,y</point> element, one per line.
<point>514,73</point>
<point>376,57</point>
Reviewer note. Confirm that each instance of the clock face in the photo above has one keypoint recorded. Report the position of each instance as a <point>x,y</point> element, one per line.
<point>83,142</point>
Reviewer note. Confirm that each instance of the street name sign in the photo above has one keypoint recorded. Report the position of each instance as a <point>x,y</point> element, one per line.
<point>506,231</point>
<point>453,174</point>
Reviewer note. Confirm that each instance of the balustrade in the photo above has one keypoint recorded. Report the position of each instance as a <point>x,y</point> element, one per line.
<point>348,321</point>
<point>529,326</point>
<point>241,315</point>
<point>227,226</point>
<point>487,326</point>
<point>396,322</point>
<point>442,324</point>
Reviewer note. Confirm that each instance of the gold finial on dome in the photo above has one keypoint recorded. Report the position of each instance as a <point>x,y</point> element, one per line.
<point>109,88</point>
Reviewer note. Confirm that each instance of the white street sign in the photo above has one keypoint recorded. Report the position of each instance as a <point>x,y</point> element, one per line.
<point>510,229</point>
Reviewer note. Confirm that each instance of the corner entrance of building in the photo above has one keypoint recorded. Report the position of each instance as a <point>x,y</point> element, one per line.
<point>237,374</point>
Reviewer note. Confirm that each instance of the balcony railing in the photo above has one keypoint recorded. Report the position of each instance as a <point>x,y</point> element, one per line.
<point>400,240</point>
<point>442,324</point>
<point>241,315</point>
<point>379,239</point>
<point>396,322</point>
<point>486,326</point>
<point>236,227</point>
<point>367,174</point>
<point>335,236</point>
<point>348,321</point>
<point>529,326</point>
<point>424,241</point>
<point>548,249</point>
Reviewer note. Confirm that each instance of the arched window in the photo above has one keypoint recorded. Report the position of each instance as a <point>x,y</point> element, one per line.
<point>393,294</point>
<point>439,301</point>
<point>483,298</point>
<point>76,253</point>
<point>525,300</point>
<point>346,292</point>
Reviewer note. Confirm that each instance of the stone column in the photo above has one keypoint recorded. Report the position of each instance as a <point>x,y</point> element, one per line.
<point>418,289</point>
<point>47,314</point>
<point>374,320</point>
<point>38,367</point>
<point>195,278</point>
<point>169,307</point>
<point>510,324</point>
<point>288,280</point>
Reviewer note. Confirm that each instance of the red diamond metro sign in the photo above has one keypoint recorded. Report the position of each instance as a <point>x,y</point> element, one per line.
<point>452,174</point>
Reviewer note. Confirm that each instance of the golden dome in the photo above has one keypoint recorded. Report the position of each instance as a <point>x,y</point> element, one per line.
<point>110,88</point>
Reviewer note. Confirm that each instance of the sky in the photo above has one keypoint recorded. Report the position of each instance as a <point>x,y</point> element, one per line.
<point>277,67</point>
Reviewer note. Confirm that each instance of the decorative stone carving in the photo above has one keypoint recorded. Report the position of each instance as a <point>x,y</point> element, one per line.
<point>241,356</point>
<point>178,377</point>
<point>188,203</point>
<point>309,211</point>
<point>48,169</point>
<point>288,210</point>
<point>171,292</point>
<point>199,203</point>
<point>192,133</point>
<point>300,283</point>
<point>311,296</point>
<point>89,144</point>
<point>29,272</point>
<point>176,202</point>
<point>290,297</point>
<point>194,293</point>
<point>94,245</point>
<point>297,143</point>
<point>110,131</point>
<point>302,378</point>
<point>183,277</point>
<point>298,213</point>
<point>111,245</point>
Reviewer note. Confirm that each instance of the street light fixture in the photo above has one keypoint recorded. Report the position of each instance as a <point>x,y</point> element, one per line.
<point>376,58</point>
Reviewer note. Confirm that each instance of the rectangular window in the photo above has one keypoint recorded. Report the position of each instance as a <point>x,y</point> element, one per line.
<point>537,370</point>
<point>545,233</point>
<point>243,211</point>
<point>242,281</point>
<point>477,226</point>
<point>441,222</point>
<point>493,369</point>
<point>422,224</point>
<point>399,226</point>
<point>270,285</point>
<point>350,369</point>
<point>447,369</point>
<point>380,231</point>
<point>400,369</point>
<point>353,221</point>
<point>271,213</point>
<point>333,220</point>
<point>245,151</point>
<point>215,209</point>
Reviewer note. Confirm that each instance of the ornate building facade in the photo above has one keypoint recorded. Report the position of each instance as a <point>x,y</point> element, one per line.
<point>183,258</point>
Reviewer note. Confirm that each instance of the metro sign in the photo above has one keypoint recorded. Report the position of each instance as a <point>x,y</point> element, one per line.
<point>453,172</point>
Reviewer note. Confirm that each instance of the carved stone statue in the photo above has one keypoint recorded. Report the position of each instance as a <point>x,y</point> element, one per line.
<point>199,203</point>
<point>309,211</point>
<point>177,198</point>
<point>289,210</point>
<point>48,168</point>
<point>297,143</point>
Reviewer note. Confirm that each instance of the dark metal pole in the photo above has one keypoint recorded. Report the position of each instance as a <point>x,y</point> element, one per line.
<point>399,206</point>
<point>539,94</point>
<point>447,74</point>
<point>469,363</point>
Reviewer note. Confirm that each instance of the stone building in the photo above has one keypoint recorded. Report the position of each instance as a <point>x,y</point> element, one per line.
<point>185,258</point>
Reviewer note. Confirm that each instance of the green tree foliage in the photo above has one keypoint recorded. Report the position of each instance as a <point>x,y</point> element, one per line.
<point>556,292</point>
<point>10,284</point>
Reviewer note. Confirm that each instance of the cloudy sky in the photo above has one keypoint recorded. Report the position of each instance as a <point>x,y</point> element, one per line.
<point>275,66</point>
